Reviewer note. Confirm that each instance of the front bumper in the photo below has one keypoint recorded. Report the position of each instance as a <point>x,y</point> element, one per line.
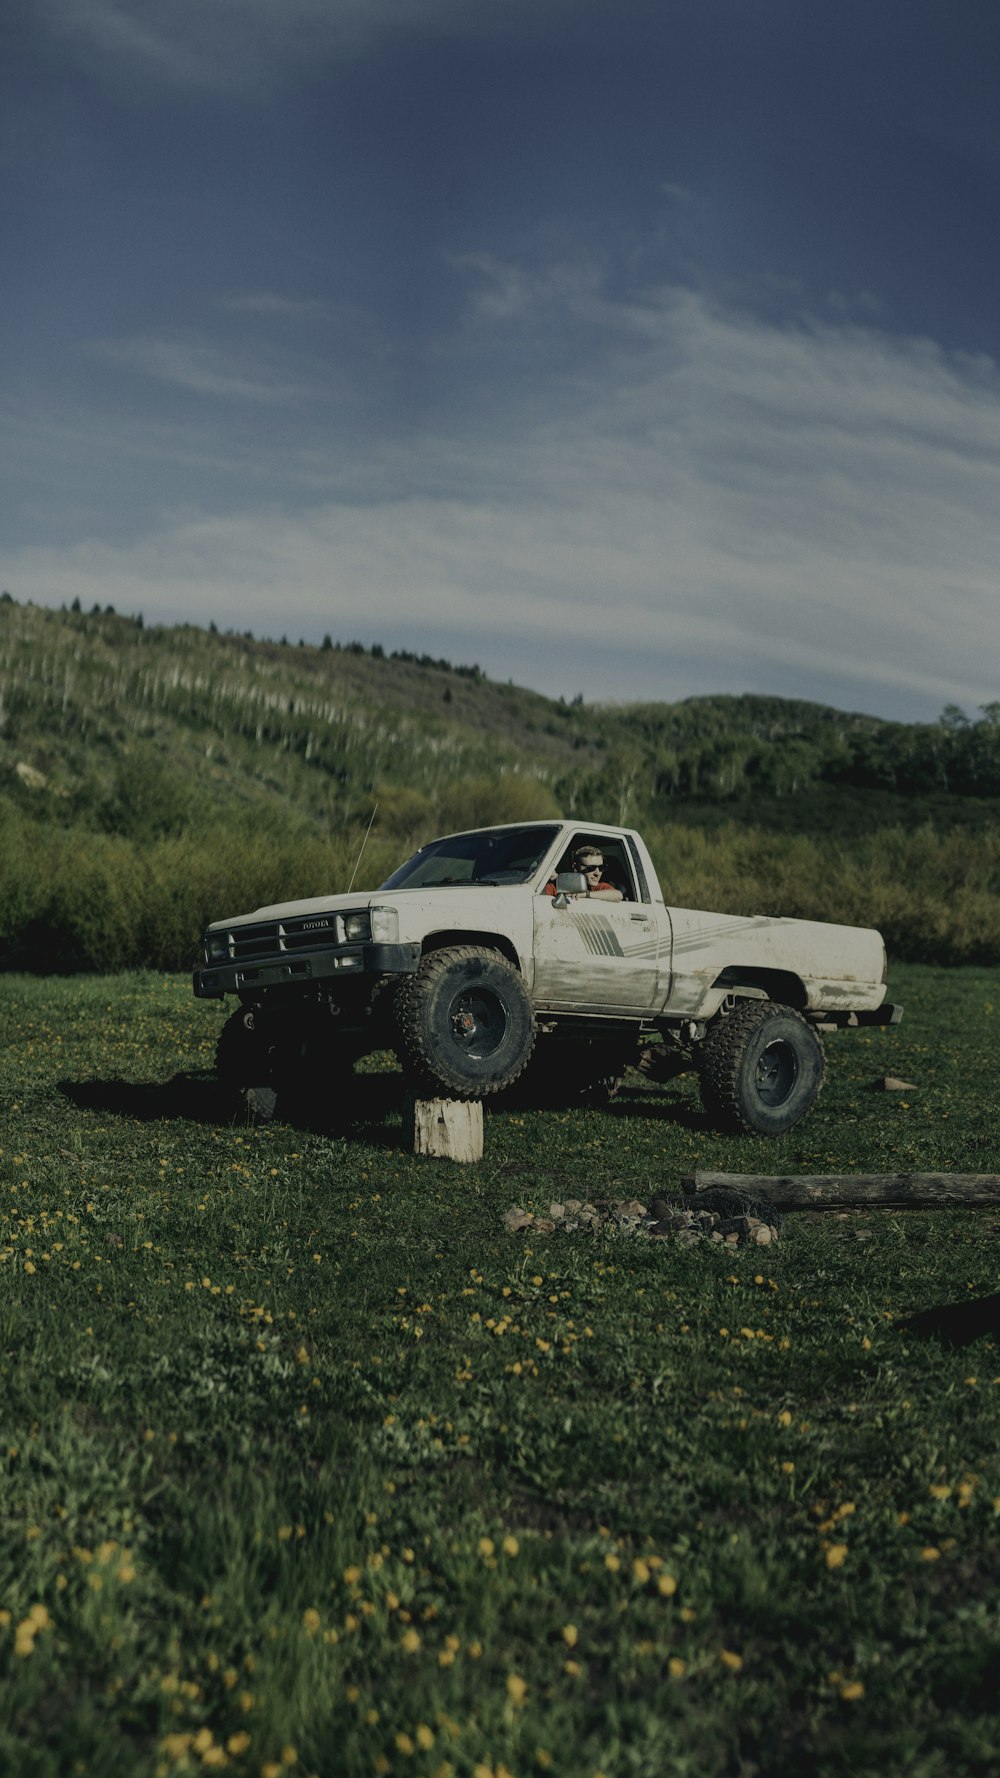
<point>216,980</point>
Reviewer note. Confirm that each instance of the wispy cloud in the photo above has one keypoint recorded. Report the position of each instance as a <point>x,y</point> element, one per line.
<point>708,502</point>
<point>233,43</point>
<point>202,368</point>
<point>271,304</point>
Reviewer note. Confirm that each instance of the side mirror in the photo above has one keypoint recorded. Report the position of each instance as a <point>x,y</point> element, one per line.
<point>569,882</point>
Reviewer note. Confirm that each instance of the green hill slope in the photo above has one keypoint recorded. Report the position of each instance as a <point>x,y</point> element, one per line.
<point>151,778</point>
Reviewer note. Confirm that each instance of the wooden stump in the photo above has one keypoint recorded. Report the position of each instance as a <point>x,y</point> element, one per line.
<point>447,1129</point>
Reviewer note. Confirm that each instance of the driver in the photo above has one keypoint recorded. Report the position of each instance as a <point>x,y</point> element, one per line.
<point>590,861</point>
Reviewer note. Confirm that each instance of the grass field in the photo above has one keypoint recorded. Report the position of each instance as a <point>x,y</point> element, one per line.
<point>311,1468</point>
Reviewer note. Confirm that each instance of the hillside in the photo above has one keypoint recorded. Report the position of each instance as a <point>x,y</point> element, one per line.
<point>153,777</point>
<point>136,729</point>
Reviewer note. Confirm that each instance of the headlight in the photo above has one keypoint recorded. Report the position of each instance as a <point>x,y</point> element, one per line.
<point>357,928</point>
<point>385,926</point>
<point>216,946</point>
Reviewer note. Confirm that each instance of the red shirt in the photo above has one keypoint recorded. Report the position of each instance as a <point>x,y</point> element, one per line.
<point>550,888</point>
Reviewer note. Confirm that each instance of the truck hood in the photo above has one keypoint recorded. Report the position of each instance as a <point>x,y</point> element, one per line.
<point>356,902</point>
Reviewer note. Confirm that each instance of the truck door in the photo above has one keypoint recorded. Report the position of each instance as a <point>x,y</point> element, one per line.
<point>597,955</point>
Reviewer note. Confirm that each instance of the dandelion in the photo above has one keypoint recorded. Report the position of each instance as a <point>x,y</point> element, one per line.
<point>570,1634</point>
<point>930,1554</point>
<point>486,1546</point>
<point>238,1743</point>
<point>676,1667</point>
<point>733,1661</point>
<point>836,1555</point>
<point>424,1736</point>
<point>612,1563</point>
<point>666,1585</point>
<point>852,1692</point>
<point>510,1546</point>
<point>410,1641</point>
<point>640,1571</point>
<point>516,1688</point>
<point>310,1620</point>
<point>403,1743</point>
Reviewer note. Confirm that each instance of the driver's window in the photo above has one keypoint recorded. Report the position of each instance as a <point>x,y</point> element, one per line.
<point>617,869</point>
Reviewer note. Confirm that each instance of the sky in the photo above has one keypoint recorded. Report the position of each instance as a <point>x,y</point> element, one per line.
<point>637,349</point>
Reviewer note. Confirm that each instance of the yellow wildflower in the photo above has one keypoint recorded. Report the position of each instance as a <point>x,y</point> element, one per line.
<point>516,1688</point>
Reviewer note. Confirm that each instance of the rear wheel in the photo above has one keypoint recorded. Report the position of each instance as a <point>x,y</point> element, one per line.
<point>761,1069</point>
<point>464,1022</point>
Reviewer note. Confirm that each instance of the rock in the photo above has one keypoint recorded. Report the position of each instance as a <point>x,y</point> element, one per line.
<point>557,1212</point>
<point>628,1207</point>
<point>762,1235</point>
<point>890,1083</point>
<point>542,1225</point>
<point>517,1219</point>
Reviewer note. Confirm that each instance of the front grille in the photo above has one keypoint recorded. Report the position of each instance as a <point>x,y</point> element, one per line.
<point>269,938</point>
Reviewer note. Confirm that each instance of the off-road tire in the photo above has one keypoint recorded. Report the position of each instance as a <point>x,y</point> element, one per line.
<point>761,1069</point>
<point>245,1065</point>
<point>464,1024</point>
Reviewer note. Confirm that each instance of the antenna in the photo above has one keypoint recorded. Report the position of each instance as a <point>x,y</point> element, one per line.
<point>361,854</point>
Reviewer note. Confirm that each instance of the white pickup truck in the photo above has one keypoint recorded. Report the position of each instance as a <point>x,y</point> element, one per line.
<point>484,962</point>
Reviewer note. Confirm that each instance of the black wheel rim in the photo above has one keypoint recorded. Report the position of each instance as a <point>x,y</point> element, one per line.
<point>479,1021</point>
<point>776,1072</point>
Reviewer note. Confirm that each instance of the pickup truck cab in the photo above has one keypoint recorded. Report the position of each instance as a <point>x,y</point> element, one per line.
<point>483,959</point>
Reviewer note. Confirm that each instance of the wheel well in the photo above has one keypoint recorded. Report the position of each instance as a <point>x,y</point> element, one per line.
<point>781,985</point>
<point>490,941</point>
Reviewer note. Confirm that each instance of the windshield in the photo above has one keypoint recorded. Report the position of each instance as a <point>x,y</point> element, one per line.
<point>491,855</point>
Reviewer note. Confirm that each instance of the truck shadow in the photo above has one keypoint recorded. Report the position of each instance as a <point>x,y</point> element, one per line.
<point>371,1112</point>
<point>372,1115</point>
<point>194,1096</point>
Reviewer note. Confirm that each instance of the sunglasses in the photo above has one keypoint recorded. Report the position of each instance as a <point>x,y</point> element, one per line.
<point>590,870</point>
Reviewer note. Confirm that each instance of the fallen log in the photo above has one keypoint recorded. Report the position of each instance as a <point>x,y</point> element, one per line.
<point>820,1191</point>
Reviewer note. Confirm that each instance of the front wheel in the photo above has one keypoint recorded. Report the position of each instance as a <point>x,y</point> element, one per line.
<point>464,1022</point>
<point>245,1065</point>
<point>761,1069</point>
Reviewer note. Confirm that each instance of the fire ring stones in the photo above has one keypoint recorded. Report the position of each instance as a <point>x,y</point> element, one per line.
<point>659,1220</point>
